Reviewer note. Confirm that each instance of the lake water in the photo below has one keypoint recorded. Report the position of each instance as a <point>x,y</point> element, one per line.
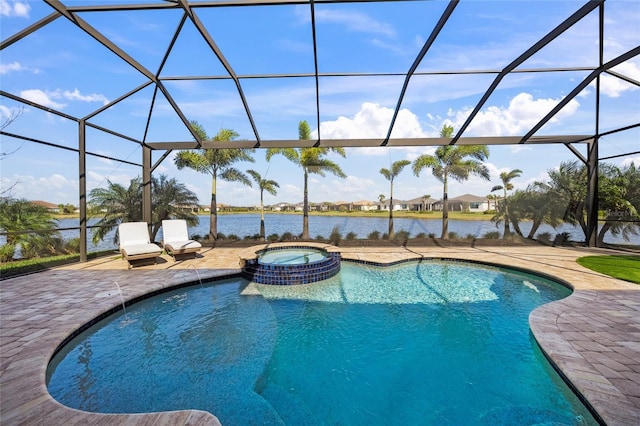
<point>248,224</point>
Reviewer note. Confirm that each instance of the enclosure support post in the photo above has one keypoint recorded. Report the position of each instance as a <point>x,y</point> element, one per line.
<point>592,156</point>
<point>592,194</point>
<point>82,187</point>
<point>146,184</point>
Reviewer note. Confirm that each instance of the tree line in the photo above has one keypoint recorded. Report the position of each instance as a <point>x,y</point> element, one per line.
<point>561,199</point>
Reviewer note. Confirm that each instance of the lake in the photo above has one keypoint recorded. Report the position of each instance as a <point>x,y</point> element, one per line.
<point>247,224</point>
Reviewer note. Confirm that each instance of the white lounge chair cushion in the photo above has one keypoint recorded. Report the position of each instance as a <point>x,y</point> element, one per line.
<point>132,233</point>
<point>138,249</point>
<point>135,243</point>
<point>175,237</point>
<point>182,245</point>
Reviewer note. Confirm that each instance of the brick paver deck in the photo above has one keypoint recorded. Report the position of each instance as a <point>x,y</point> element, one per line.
<point>593,336</point>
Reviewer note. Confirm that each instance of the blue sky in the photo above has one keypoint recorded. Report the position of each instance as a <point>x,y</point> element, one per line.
<point>61,67</point>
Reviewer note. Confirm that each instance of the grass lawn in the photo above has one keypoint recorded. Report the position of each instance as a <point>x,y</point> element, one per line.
<point>623,267</point>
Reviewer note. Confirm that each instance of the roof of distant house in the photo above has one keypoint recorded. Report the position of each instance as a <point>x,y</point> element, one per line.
<point>44,204</point>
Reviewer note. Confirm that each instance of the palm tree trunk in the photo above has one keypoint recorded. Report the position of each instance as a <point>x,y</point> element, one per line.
<point>507,231</point>
<point>305,208</point>
<point>605,228</point>
<point>261,216</point>
<point>391,214</point>
<point>213,217</point>
<point>445,209</point>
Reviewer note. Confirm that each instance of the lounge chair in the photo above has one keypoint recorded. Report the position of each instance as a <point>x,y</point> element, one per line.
<point>135,244</point>
<point>175,238</point>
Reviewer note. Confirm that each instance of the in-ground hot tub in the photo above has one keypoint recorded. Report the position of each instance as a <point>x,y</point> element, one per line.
<point>289,265</point>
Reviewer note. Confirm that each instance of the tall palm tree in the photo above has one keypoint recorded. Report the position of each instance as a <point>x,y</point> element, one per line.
<point>457,162</point>
<point>390,175</point>
<point>311,160</point>
<point>264,185</point>
<point>216,162</point>
<point>118,204</point>
<point>506,178</point>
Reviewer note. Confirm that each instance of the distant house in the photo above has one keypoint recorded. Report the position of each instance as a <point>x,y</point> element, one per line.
<point>398,205</point>
<point>192,208</point>
<point>467,203</point>
<point>52,208</point>
<point>364,205</point>
<point>421,204</point>
<point>283,207</point>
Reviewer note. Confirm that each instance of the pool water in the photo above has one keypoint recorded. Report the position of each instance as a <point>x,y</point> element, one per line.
<point>291,256</point>
<point>419,343</point>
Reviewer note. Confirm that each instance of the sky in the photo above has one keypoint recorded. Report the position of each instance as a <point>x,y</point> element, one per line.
<point>62,68</point>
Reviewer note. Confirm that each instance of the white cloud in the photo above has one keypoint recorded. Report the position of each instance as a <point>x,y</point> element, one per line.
<point>371,122</point>
<point>55,188</point>
<point>15,66</point>
<point>613,86</point>
<point>76,96</point>
<point>49,98</point>
<point>14,8</point>
<point>520,116</point>
<point>627,161</point>
<point>42,98</point>
<point>354,21</point>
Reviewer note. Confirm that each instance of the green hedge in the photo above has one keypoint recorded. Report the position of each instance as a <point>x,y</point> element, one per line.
<point>27,266</point>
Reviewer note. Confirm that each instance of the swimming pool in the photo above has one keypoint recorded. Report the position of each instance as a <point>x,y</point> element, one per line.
<point>427,342</point>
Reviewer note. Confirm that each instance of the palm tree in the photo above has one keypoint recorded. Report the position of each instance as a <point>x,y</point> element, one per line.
<point>216,162</point>
<point>381,198</point>
<point>264,185</point>
<point>425,198</point>
<point>506,178</point>
<point>311,160</point>
<point>619,198</point>
<point>567,187</point>
<point>390,175</point>
<point>119,204</point>
<point>171,199</point>
<point>17,218</point>
<point>451,161</point>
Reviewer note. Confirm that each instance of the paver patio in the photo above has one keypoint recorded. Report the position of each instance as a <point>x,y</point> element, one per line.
<point>592,336</point>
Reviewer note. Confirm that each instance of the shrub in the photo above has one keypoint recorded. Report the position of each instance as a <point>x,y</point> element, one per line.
<point>6,252</point>
<point>453,235</point>
<point>402,236</point>
<point>73,245</point>
<point>544,237</point>
<point>421,235</point>
<point>350,236</point>
<point>320,238</point>
<point>432,235</point>
<point>562,238</point>
<point>287,236</point>
<point>375,235</point>
<point>233,237</point>
<point>493,235</point>
<point>221,236</point>
<point>273,238</point>
<point>335,236</point>
<point>470,237</point>
<point>385,236</point>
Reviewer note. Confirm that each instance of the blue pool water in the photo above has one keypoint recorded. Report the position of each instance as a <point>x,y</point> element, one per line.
<point>292,256</point>
<point>426,343</point>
